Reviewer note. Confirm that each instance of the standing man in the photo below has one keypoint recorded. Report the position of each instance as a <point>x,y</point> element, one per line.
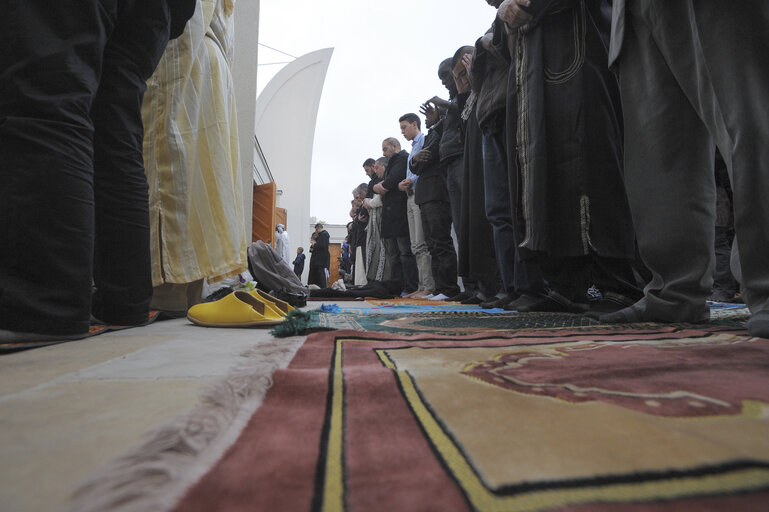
<point>432,196</point>
<point>411,129</point>
<point>711,78</point>
<point>395,227</point>
<point>74,200</point>
<point>451,150</point>
<point>377,266</point>
<point>320,259</point>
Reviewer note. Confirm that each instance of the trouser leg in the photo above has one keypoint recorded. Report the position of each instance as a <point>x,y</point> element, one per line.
<point>517,276</point>
<point>669,159</point>
<point>394,258</point>
<point>47,86</point>
<point>408,263</point>
<point>436,217</point>
<point>122,253</point>
<point>454,171</point>
<point>418,245</point>
<point>498,209</point>
<point>733,45</point>
<point>723,280</point>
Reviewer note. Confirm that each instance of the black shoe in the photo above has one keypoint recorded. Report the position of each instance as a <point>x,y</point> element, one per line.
<point>475,299</point>
<point>523,300</point>
<point>721,296</point>
<point>497,302</point>
<point>627,315</point>
<point>459,297</point>
<point>552,302</point>
<point>758,325</point>
<point>610,303</point>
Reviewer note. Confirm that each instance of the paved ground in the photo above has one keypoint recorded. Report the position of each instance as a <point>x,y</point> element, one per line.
<point>68,409</point>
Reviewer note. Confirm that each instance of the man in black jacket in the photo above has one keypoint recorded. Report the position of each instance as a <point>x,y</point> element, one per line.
<point>432,197</point>
<point>395,227</point>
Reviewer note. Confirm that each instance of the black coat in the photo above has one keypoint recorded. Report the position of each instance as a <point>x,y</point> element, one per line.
<point>431,185</point>
<point>395,221</point>
<point>320,255</point>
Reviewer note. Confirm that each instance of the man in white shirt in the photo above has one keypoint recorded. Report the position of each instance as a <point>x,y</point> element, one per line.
<point>410,125</point>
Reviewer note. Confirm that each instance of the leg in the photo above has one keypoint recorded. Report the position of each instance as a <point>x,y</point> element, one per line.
<point>418,245</point>
<point>669,158</point>
<point>408,264</point>
<point>738,120</point>
<point>436,218</point>
<point>46,197</point>
<point>498,210</point>
<point>394,258</point>
<point>122,256</point>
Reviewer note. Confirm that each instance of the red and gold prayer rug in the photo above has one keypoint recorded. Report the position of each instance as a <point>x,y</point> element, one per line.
<point>583,419</point>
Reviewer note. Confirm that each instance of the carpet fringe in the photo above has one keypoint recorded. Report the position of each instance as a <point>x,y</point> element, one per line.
<point>157,473</point>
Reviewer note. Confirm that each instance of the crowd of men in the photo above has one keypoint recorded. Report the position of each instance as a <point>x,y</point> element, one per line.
<point>574,157</point>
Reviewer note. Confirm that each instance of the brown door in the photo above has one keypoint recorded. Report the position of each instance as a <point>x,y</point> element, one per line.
<point>335,251</point>
<point>263,217</point>
<point>281,217</point>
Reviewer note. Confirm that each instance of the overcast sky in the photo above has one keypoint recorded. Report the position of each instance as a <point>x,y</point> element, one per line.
<point>385,64</point>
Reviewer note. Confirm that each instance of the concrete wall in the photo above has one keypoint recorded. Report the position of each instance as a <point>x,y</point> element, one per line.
<point>286,111</point>
<point>246,18</point>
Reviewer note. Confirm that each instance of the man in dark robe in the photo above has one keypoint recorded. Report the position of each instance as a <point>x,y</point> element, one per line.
<point>570,208</point>
<point>320,259</point>
<point>477,261</point>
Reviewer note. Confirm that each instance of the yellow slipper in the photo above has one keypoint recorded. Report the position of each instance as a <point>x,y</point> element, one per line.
<point>238,309</point>
<point>280,306</point>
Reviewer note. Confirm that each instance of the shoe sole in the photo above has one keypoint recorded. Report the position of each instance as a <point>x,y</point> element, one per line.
<point>265,323</point>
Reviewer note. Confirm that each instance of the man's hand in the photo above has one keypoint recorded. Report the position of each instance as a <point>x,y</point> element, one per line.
<point>405,185</point>
<point>379,189</point>
<point>438,102</point>
<point>422,156</point>
<point>462,73</point>
<point>510,12</point>
<point>485,40</point>
<point>430,113</point>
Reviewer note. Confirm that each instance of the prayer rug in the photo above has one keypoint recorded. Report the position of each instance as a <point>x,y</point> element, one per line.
<point>399,309</point>
<point>94,330</point>
<point>579,420</point>
<point>437,322</point>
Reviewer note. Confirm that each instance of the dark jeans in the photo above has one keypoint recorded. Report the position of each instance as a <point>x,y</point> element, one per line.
<point>403,264</point>
<point>723,280</point>
<point>74,200</point>
<point>436,224</point>
<point>518,277</point>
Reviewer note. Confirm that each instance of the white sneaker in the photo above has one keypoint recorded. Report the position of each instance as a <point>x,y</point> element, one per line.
<point>440,296</point>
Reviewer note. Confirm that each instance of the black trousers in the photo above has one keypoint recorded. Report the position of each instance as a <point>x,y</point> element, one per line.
<point>403,264</point>
<point>436,224</point>
<point>710,88</point>
<point>74,204</point>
